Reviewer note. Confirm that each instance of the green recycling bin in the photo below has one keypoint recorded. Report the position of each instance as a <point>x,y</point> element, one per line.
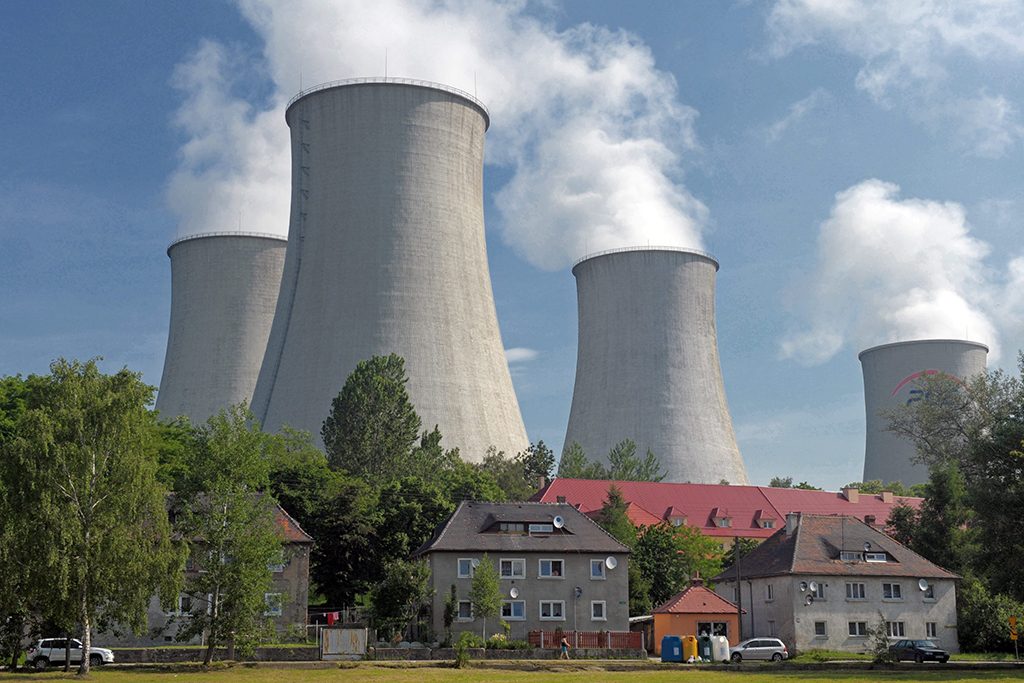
<point>704,648</point>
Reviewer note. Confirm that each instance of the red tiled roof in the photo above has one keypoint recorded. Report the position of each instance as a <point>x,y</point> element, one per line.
<point>697,501</point>
<point>696,600</point>
<point>290,529</point>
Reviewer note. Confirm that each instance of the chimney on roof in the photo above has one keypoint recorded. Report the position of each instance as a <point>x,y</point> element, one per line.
<point>792,522</point>
<point>543,481</point>
<point>869,519</point>
<point>851,494</point>
<point>696,580</point>
<point>560,499</point>
<point>886,496</point>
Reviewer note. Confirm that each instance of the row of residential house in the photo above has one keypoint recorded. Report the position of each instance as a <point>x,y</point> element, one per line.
<point>823,573</point>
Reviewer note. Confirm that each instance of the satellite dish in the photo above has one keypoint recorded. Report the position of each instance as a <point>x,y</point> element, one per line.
<point>867,546</point>
<point>514,592</point>
<point>813,585</point>
<point>611,562</point>
<point>809,599</point>
<point>803,586</point>
<point>577,591</point>
<point>476,561</point>
<point>558,522</point>
<point>922,584</point>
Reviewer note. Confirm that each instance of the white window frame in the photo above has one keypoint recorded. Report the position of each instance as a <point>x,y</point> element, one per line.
<point>767,523</point>
<point>278,567</point>
<point>601,576</point>
<point>271,611</point>
<point>896,629</point>
<point>552,603</point>
<point>458,569</point>
<point>769,592</point>
<point>824,633</point>
<point>510,604</point>
<point>513,575</point>
<point>470,617</point>
<point>850,556</point>
<point>931,629</point>
<point>875,557</point>
<point>929,593</point>
<point>858,629</point>
<point>895,592</point>
<point>819,591</point>
<point>550,574</point>
<point>852,590</point>
<point>177,610</point>
<point>604,610</point>
<point>723,522</point>
<point>542,528</point>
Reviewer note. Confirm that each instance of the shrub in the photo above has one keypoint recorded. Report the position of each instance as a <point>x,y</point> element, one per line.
<point>470,639</point>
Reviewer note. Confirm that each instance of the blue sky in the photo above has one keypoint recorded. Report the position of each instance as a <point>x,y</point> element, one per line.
<point>855,166</point>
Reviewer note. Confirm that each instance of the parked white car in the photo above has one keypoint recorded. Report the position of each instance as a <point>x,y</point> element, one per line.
<point>760,648</point>
<point>52,651</point>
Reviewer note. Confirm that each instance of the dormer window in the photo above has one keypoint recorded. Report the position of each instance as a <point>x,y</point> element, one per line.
<point>510,528</point>
<point>723,521</point>
<point>678,521</point>
<point>541,528</point>
<point>847,556</point>
<point>767,523</point>
<point>875,557</point>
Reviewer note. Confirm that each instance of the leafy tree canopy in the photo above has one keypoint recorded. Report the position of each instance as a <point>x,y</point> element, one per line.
<point>623,464</point>
<point>669,556</point>
<point>485,592</point>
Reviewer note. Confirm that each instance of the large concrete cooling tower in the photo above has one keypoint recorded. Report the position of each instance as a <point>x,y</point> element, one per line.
<point>224,290</point>
<point>386,254</point>
<point>889,374</point>
<point>647,363</point>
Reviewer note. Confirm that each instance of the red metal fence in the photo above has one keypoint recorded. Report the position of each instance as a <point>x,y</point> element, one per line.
<point>587,639</point>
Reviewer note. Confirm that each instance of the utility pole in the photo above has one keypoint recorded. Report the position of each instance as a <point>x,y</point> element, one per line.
<point>739,588</point>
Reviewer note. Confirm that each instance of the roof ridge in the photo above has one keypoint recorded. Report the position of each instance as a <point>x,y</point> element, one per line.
<point>294,521</point>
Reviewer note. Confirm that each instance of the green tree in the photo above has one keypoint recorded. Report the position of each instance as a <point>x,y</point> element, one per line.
<point>227,516</point>
<point>669,556</point>
<point>401,594</point>
<point>806,487</point>
<point>451,613</point>
<point>519,477</point>
<point>372,427</point>
<point>743,546</point>
<point>781,483</point>
<point>99,510</point>
<point>575,465</point>
<point>614,518</point>
<point>875,487</point>
<point>485,592</point>
<point>626,465</point>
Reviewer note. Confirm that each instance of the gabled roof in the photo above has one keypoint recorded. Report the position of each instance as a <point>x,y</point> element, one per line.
<point>470,529</point>
<point>696,502</point>
<point>696,599</point>
<point>815,549</point>
<point>290,529</point>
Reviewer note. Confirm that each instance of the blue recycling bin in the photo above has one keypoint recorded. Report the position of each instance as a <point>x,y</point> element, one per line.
<point>671,649</point>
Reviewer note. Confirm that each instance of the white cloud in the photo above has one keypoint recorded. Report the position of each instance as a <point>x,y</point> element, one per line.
<point>892,269</point>
<point>909,48</point>
<point>520,354</point>
<point>592,132</point>
<point>796,112</point>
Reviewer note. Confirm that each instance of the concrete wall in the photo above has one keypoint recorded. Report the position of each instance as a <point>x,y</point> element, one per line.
<point>887,456</point>
<point>614,590</point>
<point>386,253</point>
<point>795,620</point>
<point>647,364</point>
<point>223,295</point>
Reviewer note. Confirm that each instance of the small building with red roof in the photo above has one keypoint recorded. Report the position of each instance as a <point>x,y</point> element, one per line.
<point>696,611</point>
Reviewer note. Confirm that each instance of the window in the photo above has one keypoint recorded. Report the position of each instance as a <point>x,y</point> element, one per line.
<point>678,521</point>
<point>513,569</point>
<point>274,603</point>
<point>767,523</point>
<point>931,629</point>
<point>278,564</point>
<point>892,591</point>
<point>859,629</point>
<point>771,628</point>
<point>929,593</point>
<point>183,606</point>
<point>713,628</point>
<point>723,521</point>
<point>552,610</point>
<point>821,629</point>
<point>465,568</point>
<point>855,591</point>
<point>551,569</point>
<point>819,591</point>
<point>513,609</point>
<point>597,612</point>
<point>896,629</point>
<point>541,528</point>
<point>851,557</point>
<point>875,557</point>
<point>510,528</point>
<point>769,593</point>
<point>597,569</point>
<point>465,610</point>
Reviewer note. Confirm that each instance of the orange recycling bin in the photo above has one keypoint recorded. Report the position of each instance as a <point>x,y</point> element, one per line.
<point>689,648</point>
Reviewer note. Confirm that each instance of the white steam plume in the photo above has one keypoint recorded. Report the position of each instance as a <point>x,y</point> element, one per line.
<point>589,128</point>
<point>892,269</point>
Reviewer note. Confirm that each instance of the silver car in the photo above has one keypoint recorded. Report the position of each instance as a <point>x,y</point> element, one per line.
<point>759,648</point>
<point>52,651</point>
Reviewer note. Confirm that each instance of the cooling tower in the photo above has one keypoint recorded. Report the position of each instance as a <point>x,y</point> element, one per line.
<point>647,363</point>
<point>224,289</point>
<point>889,374</point>
<point>386,254</point>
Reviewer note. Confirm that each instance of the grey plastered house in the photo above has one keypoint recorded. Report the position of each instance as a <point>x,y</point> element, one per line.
<point>543,552</point>
<point>822,581</point>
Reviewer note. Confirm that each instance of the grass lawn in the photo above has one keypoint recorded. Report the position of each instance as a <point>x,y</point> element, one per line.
<point>581,672</point>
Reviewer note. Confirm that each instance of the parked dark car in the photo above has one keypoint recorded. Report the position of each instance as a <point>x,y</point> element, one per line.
<point>918,650</point>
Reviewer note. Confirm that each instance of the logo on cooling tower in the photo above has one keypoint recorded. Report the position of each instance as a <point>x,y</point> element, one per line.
<point>917,394</point>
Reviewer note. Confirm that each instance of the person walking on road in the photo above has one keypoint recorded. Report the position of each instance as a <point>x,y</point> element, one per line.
<point>565,648</point>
